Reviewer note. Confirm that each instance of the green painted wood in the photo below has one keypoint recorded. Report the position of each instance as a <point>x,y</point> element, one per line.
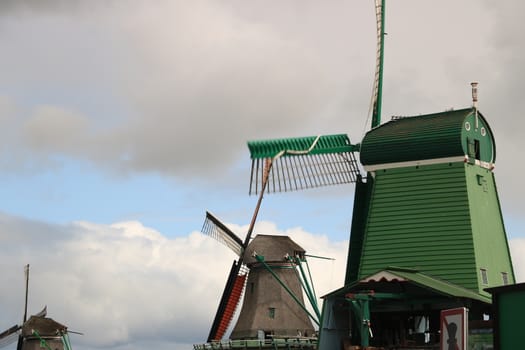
<point>360,213</point>
<point>490,242</point>
<point>443,220</point>
<point>326,144</point>
<point>511,317</point>
<point>439,135</point>
<point>413,276</point>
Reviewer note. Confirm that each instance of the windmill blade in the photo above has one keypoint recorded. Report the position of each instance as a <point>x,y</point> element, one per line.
<point>230,299</point>
<point>216,229</point>
<point>303,162</point>
<point>9,336</point>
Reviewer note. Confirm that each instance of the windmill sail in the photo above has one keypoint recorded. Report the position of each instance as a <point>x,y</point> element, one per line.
<point>377,93</point>
<point>9,336</point>
<point>229,301</point>
<point>303,162</point>
<point>216,229</point>
<point>236,279</point>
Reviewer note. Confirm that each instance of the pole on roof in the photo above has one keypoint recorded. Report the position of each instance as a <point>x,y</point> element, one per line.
<point>26,270</point>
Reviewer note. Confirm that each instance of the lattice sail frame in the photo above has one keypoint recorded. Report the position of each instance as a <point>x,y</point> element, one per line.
<point>214,228</point>
<point>230,300</point>
<point>236,282</point>
<point>303,162</point>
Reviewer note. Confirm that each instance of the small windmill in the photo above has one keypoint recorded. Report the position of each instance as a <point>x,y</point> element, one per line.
<point>273,291</point>
<point>291,256</point>
<point>268,264</point>
<point>273,304</point>
<point>36,332</point>
<point>237,278</point>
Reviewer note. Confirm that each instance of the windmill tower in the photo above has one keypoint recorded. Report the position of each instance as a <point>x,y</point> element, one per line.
<point>426,216</point>
<point>269,309</point>
<point>266,273</point>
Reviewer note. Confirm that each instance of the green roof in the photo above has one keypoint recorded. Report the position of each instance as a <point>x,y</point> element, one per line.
<point>439,135</point>
<point>438,285</point>
<point>423,280</point>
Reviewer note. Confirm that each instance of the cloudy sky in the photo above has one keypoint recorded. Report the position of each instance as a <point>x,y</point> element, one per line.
<point>121,122</point>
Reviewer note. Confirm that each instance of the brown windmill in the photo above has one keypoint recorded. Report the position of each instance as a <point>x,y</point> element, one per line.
<point>37,332</point>
<point>269,272</point>
<point>270,309</point>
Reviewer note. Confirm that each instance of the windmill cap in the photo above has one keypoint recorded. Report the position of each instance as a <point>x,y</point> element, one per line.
<point>425,137</point>
<point>43,325</point>
<point>274,248</point>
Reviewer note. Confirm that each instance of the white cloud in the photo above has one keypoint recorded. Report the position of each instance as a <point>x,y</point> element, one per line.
<point>178,88</point>
<point>185,83</point>
<point>517,251</point>
<point>125,284</point>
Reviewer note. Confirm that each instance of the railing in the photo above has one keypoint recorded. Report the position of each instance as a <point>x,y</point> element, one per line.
<point>275,343</point>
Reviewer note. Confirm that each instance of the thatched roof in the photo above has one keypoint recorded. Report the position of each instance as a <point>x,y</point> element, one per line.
<point>273,248</point>
<point>43,325</point>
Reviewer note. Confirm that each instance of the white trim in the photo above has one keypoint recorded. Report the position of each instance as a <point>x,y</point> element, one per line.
<point>383,275</point>
<point>414,163</point>
<point>485,165</point>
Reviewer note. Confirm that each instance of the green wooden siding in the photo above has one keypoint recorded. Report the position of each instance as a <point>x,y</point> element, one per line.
<point>359,215</point>
<point>443,220</point>
<point>419,218</point>
<point>490,240</point>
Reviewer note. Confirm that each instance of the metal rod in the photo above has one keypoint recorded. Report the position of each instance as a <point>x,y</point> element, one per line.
<point>319,171</point>
<point>271,183</point>
<point>26,270</point>
<point>303,283</point>
<point>283,174</point>
<point>299,168</point>
<point>290,166</point>
<point>257,175</point>
<point>326,170</point>
<point>309,292</point>
<point>318,257</point>
<point>311,279</point>
<point>275,171</point>
<point>308,177</point>
<point>251,176</point>
<point>311,166</point>
<point>336,167</point>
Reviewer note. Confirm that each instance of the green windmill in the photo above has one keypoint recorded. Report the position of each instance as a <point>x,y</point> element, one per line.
<point>427,231</point>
